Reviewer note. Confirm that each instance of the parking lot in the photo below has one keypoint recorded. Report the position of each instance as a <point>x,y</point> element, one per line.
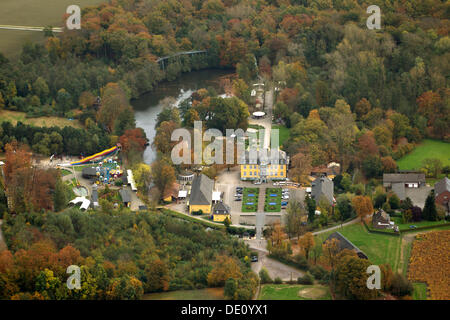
<point>228,181</point>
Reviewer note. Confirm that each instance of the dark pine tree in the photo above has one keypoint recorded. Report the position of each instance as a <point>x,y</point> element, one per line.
<point>429,211</point>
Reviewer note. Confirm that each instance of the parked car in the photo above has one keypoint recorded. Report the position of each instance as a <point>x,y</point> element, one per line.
<point>254,258</point>
<point>257,182</point>
<point>237,199</point>
<point>413,227</point>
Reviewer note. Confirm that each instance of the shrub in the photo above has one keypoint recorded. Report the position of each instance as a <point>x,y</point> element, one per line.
<point>264,276</point>
<point>278,280</point>
<point>301,261</point>
<point>197,213</point>
<point>401,286</point>
<point>306,279</point>
<point>318,272</point>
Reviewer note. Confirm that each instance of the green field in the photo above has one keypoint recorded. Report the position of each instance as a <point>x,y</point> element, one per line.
<point>294,292</point>
<point>406,226</point>
<point>378,247</point>
<point>16,116</point>
<point>34,14</point>
<point>427,149</point>
<point>284,133</point>
<point>420,291</point>
<point>200,294</point>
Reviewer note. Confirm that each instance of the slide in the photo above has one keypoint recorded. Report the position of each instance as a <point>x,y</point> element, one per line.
<point>96,157</point>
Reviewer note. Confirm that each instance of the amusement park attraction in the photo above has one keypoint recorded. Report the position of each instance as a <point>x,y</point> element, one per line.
<point>105,165</point>
<point>98,157</point>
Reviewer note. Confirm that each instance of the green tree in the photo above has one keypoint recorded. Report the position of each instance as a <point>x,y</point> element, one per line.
<point>429,210</point>
<point>60,195</point>
<point>294,213</point>
<point>351,278</point>
<point>230,288</point>
<point>311,208</point>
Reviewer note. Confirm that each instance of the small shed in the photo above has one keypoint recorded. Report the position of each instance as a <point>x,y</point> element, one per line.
<point>89,173</point>
<point>126,197</point>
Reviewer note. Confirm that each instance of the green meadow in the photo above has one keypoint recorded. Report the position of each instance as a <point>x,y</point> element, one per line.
<point>378,247</point>
<point>294,292</point>
<point>427,149</point>
<point>33,14</point>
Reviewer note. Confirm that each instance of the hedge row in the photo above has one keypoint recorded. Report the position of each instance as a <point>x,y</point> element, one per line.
<point>231,229</point>
<point>389,233</point>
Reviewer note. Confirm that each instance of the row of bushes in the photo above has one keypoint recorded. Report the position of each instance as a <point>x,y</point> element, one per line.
<point>230,229</point>
<point>397,234</point>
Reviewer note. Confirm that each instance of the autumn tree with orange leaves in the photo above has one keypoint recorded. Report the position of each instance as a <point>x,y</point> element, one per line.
<point>363,206</point>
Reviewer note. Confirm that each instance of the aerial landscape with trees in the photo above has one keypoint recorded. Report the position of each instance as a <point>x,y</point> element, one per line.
<point>364,103</point>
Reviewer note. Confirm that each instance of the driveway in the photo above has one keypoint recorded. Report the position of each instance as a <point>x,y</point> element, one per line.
<point>356,220</point>
<point>274,267</point>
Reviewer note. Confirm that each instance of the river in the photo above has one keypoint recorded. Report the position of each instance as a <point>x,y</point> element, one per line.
<point>149,105</point>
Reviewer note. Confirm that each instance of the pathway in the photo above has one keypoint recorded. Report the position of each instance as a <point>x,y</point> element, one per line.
<point>266,122</point>
<point>338,227</point>
<point>274,267</point>
<point>2,240</point>
<point>28,28</point>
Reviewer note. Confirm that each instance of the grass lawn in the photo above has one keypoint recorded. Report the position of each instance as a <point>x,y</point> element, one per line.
<point>294,292</point>
<point>427,149</point>
<point>65,172</point>
<point>406,226</point>
<point>200,294</point>
<point>276,200</point>
<point>283,131</point>
<point>35,14</point>
<point>378,247</point>
<point>420,291</point>
<point>252,199</point>
<point>15,116</point>
<point>80,168</point>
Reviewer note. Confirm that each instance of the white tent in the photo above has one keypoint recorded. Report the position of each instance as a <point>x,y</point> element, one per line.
<point>182,194</point>
<point>131,180</point>
<point>85,205</point>
<point>259,114</point>
<point>216,196</point>
<point>77,200</point>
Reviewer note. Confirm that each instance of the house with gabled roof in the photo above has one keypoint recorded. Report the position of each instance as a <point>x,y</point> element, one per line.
<point>201,194</point>
<point>344,243</point>
<point>381,220</point>
<point>221,211</point>
<point>442,193</point>
<point>398,182</point>
<point>322,186</point>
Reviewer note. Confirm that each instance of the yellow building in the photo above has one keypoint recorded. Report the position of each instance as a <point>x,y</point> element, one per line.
<point>270,170</point>
<point>201,194</point>
<point>221,212</point>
